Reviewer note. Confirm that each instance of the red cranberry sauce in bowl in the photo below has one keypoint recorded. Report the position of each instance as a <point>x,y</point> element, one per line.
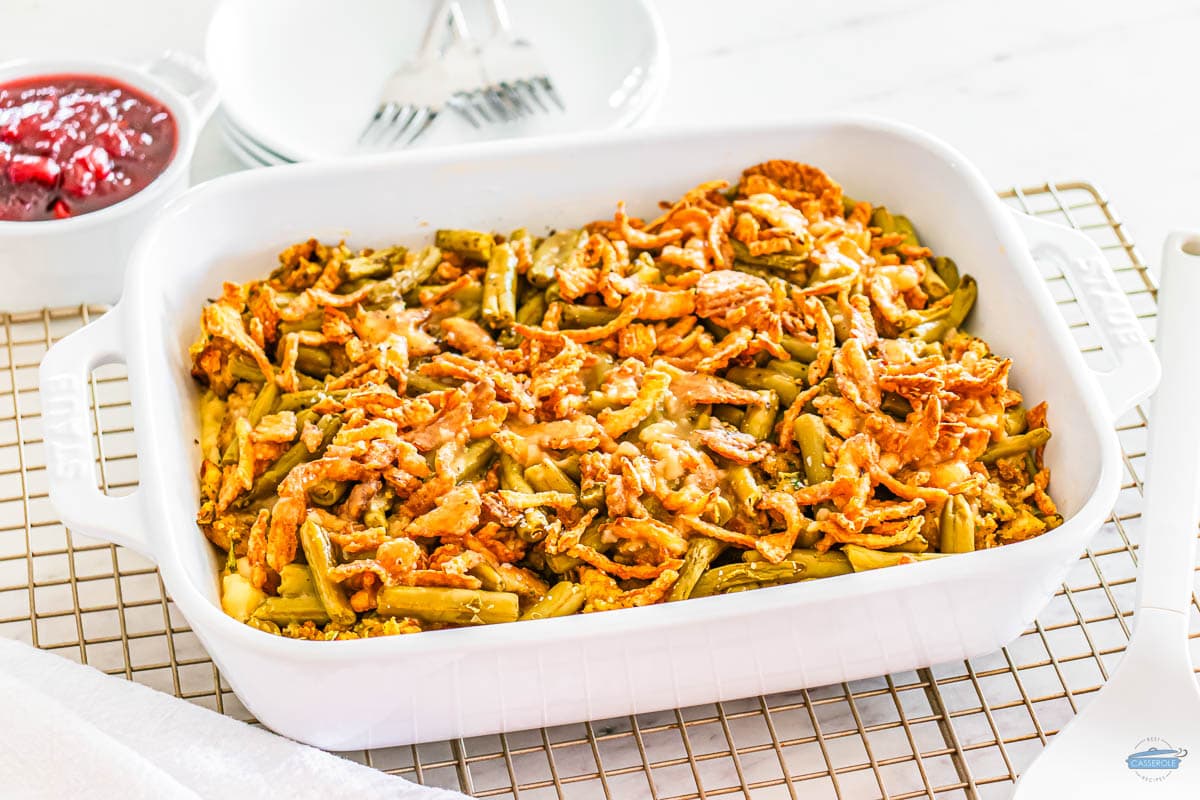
<point>70,144</point>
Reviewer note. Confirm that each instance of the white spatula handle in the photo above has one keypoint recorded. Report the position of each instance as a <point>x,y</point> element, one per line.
<point>1172,479</point>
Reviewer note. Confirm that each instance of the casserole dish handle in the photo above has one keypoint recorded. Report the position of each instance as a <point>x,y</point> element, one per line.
<point>67,432</point>
<point>1135,371</point>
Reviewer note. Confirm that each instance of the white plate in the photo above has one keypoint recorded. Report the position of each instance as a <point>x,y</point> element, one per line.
<point>249,152</point>
<point>254,154</point>
<point>302,80</point>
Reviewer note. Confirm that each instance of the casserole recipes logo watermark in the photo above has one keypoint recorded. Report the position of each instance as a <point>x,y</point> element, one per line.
<point>1154,759</point>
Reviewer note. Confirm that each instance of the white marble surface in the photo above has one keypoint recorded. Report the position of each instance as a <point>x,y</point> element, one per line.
<point>1099,91</point>
<point>1029,89</point>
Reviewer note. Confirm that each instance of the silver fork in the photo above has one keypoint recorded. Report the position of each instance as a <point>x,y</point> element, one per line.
<point>517,76</point>
<point>415,94</point>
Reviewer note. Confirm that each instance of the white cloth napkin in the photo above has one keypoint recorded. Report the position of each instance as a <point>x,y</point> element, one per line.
<point>71,731</point>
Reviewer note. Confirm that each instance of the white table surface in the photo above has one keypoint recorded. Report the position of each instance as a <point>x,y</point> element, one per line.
<point>1028,89</point>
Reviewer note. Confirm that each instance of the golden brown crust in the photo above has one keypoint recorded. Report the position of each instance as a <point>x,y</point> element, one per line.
<point>439,448</point>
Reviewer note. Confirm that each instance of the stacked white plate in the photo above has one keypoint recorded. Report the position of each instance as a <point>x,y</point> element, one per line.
<point>300,79</point>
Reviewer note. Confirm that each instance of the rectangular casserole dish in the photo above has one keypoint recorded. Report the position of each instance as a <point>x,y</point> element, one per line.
<point>464,682</point>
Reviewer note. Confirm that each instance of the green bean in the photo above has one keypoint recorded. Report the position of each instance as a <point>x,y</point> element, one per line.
<point>799,349</point>
<point>788,262</point>
<point>864,558</point>
<point>264,625</point>
<point>475,245</point>
<point>313,361</point>
<point>932,282</point>
<point>295,580</point>
<point>895,405</point>
<point>266,483</point>
<point>312,322</point>
<point>350,287</point>
<point>760,378</point>
<point>759,420</point>
<point>903,226</point>
<point>593,537</point>
<point>841,323</point>
<point>956,529</point>
<point>288,610</point>
<point>720,580</point>
<point>947,270</point>
<point>750,269</point>
<point>500,288</point>
<point>244,369</point>
<point>722,510</point>
<point>647,273</point>
<point>1015,445</point>
<point>730,415</point>
<point>297,401</point>
<point>319,554</point>
<point>701,552</point>
<point>575,315</point>
<point>377,507</point>
<point>421,384</point>
<point>416,270</point>
<point>533,310</point>
<point>569,464</point>
<point>511,476</point>
<point>1014,421</point>
<point>881,218</point>
<point>828,272</point>
<point>328,492</point>
<point>553,252</point>
<point>489,577</point>
<point>471,293</point>
<point>475,461</point>
<point>264,403</point>
<point>809,431</point>
<point>848,205</point>
<point>593,376</point>
<point>549,477</point>
<point>563,599</point>
<point>212,411</point>
<point>815,564</point>
<point>593,496</point>
<point>745,487</point>
<point>917,544</point>
<point>796,370</point>
<point>448,606</point>
<point>952,317</point>
<point>305,416</point>
<point>378,264</point>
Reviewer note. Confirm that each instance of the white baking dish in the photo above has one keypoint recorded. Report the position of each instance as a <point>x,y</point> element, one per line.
<point>444,684</point>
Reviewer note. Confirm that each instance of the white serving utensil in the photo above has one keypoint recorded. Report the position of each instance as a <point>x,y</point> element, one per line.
<point>1133,739</point>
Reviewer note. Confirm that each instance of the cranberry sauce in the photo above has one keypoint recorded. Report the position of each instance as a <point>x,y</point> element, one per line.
<point>70,144</point>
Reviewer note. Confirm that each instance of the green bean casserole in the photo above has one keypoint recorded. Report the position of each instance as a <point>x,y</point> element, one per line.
<point>765,384</point>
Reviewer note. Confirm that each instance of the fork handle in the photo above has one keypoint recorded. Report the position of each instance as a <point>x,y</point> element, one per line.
<point>1172,481</point>
<point>500,16</point>
<point>437,23</point>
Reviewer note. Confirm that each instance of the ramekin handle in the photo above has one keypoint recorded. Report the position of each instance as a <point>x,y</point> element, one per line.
<point>188,76</point>
<point>67,433</point>
<point>1136,372</point>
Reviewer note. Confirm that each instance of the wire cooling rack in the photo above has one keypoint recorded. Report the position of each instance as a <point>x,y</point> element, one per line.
<point>964,729</point>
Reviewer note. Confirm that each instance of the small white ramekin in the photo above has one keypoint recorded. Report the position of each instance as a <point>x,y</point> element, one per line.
<point>82,259</point>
